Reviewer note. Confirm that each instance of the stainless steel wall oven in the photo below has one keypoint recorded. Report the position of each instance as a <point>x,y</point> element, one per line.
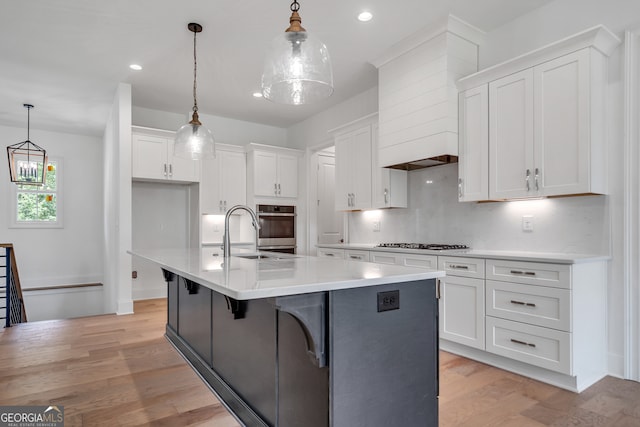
<point>277,228</point>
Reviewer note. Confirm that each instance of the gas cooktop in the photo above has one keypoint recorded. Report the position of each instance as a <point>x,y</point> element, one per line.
<point>430,246</point>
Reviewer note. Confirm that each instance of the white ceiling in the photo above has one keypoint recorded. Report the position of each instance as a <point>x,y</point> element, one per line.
<point>67,56</point>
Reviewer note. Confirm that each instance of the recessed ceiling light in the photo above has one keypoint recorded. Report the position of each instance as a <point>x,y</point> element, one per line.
<point>257,94</point>
<point>365,16</point>
<point>135,67</point>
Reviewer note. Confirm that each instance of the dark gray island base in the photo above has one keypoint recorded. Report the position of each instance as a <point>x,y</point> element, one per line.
<point>365,356</point>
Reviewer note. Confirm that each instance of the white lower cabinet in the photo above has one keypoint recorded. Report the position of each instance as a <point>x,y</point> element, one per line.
<point>543,347</point>
<point>543,320</point>
<point>356,255</point>
<point>552,316</point>
<point>330,253</point>
<point>462,301</point>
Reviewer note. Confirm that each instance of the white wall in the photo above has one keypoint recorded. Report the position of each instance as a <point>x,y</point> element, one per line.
<point>314,131</point>
<point>160,220</point>
<point>224,130</point>
<point>434,215</point>
<point>72,254</point>
<point>68,255</point>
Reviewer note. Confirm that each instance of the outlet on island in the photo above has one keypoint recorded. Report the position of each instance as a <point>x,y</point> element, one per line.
<point>389,300</point>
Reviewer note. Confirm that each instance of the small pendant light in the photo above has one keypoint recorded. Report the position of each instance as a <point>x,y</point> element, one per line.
<point>298,67</point>
<point>193,140</point>
<point>27,161</point>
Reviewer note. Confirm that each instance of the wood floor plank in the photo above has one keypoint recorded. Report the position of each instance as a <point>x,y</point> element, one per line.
<point>120,371</point>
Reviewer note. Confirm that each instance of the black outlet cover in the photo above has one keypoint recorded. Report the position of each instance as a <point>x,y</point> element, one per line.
<point>389,300</point>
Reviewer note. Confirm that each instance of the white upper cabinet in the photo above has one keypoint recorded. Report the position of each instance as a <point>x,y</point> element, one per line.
<point>353,169</point>
<point>152,157</point>
<point>360,183</point>
<point>546,113</point>
<point>224,180</point>
<point>388,186</point>
<point>273,171</point>
<point>473,145</point>
<point>511,136</point>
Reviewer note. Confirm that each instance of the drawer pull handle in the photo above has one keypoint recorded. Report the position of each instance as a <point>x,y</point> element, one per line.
<point>356,257</point>
<point>526,273</point>
<point>523,343</point>
<point>528,304</point>
<point>330,254</point>
<point>459,267</point>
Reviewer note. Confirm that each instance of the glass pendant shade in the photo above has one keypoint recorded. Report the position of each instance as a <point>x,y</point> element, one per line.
<point>298,67</point>
<point>194,141</point>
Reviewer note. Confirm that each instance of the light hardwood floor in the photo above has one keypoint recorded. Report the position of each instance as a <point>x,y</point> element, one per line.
<point>120,371</point>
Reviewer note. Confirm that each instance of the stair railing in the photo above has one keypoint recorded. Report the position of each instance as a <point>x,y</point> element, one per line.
<point>10,289</point>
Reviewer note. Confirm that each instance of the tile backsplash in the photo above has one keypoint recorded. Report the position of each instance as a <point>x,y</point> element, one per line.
<point>434,215</point>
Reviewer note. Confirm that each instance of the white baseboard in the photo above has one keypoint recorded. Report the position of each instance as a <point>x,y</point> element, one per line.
<point>616,365</point>
<point>149,293</point>
<point>125,307</point>
<point>557,379</point>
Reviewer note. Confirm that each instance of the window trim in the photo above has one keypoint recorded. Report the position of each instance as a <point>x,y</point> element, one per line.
<point>13,204</point>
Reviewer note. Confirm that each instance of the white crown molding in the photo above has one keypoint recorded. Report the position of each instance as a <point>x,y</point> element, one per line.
<point>598,37</point>
<point>451,24</point>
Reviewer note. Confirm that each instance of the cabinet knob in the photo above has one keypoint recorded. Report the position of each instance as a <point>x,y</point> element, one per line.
<point>459,188</point>
<point>536,176</point>
<point>527,176</point>
<point>170,170</point>
<point>386,196</point>
<point>165,169</point>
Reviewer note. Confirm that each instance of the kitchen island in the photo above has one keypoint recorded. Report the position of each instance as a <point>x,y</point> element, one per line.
<point>287,340</point>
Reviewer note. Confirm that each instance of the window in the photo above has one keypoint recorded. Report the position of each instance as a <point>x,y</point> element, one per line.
<point>39,206</point>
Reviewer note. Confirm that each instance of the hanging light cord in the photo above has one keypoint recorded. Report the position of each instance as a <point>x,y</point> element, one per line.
<point>28,122</point>
<point>295,6</point>
<point>195,68</point>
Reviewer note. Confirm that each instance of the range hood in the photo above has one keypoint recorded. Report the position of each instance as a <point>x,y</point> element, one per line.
<point>417,95</point>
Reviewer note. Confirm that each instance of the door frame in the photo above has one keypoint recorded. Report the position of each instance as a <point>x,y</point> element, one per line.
<point>631,225</point>
<point>312,195</point>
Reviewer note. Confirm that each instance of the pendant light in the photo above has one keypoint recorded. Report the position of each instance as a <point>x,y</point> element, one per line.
<point>298,67</point>
<point>27,161</point>
<point>193,140</point>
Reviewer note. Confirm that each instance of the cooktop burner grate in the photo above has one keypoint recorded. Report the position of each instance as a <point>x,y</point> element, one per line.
<point>430,246</point>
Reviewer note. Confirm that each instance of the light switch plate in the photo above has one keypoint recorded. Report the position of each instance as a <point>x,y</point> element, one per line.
<point>527,223</point>
<point>376,225</point>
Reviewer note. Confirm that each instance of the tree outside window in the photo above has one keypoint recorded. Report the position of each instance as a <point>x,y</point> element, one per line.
<point>39,206</point>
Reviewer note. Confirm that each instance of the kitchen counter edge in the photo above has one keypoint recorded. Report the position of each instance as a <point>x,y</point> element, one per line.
<point>548,257</point>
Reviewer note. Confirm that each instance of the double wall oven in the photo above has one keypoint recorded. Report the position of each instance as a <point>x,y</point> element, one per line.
<point>277,228</point>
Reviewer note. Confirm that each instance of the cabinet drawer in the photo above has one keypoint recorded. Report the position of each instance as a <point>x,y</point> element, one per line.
<point>420,261</point>
<point>384,258</point>
<point>543,347</point>
<point>331,253</point>
<point>465,267</point>
<point>533,273</point>
<point>537,305</point>
<point>355,255</point>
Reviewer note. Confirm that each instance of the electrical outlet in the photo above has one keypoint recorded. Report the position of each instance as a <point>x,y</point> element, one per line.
<point>389,300</point>
<point>527,223</point>
<point>376,225</point>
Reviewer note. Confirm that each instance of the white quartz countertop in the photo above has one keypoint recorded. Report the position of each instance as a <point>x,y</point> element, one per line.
<point>549,257</point>
<point>243,278</point>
